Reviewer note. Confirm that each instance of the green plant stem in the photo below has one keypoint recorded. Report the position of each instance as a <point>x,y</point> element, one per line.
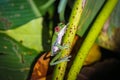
<point>59,71</point>
<point>47,4</point>
<point>34,8</point>
<point>90,39</point>
<point>61,9</point>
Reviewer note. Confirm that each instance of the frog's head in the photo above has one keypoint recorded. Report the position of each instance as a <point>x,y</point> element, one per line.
<point>59,27</point>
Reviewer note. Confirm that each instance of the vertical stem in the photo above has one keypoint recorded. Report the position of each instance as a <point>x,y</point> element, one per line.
<point>61,9</point>
<point>59,71</point>
<point>34,8</point>
<point>90,39</point>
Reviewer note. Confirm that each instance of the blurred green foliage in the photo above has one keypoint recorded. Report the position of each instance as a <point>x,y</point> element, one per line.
<point>26,28</point>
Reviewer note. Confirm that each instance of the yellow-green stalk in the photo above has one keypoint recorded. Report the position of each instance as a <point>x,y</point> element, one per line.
<point>59,70</point>
<point>90,39</point>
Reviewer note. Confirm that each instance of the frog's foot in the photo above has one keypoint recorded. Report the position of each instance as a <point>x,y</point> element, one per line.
<point>67,58</point>
<point>66,46</point>
<point>61,60</point>
<point>62,47</point>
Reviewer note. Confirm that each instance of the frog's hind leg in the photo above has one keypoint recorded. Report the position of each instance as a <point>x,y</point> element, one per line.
<point>56,61</point>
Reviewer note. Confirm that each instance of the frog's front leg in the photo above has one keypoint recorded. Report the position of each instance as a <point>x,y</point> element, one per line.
<point>61,47</point>
<point>56,59</point>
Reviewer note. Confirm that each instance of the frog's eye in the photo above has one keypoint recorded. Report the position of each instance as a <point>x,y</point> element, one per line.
<point>57,29</point>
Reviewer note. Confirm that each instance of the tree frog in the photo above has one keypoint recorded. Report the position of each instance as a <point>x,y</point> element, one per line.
<point>56,44</point>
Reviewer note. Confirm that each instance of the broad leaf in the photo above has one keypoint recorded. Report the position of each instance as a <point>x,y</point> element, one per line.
<point>15,60</point>
<point>15,13</point>
<point>92,7</point>
<point>109,37</point>
<point>21,38</point>
<point>30,34</point>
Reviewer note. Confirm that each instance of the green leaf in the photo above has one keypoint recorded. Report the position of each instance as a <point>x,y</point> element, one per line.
<point>109,37</point>
<point>15,13</point>
<point>29,34</point>
<point>43,5</point>
<point>21,37</point>
<point>89,13</point>
<point>15,60</point>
